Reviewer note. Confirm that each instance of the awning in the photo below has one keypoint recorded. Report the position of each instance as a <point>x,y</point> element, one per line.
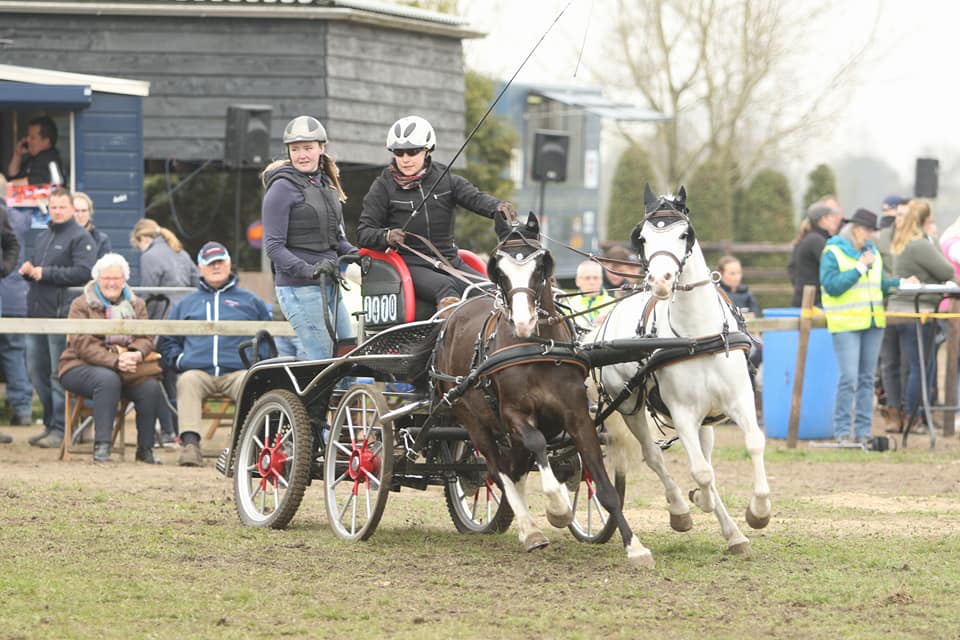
<point>25,95</point>
<point>595,103</point>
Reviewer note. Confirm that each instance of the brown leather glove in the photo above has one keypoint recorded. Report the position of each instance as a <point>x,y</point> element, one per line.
<point>395,237</point>
<point>509,212</point>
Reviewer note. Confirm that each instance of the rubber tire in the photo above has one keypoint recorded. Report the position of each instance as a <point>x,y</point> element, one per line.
<point>602,535</point>
<point>288,405</point>
<point>337,459</point>
<point>455,493</point>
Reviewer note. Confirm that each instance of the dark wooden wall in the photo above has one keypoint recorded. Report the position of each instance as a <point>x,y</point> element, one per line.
<point>356,78</point>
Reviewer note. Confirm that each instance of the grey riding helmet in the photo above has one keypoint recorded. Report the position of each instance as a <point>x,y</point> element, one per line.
<point>304,129</point>
<point>411,132</point>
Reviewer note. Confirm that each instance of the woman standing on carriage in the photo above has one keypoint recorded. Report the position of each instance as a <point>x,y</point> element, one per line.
<point>301,190</point>
<point>410,183</point>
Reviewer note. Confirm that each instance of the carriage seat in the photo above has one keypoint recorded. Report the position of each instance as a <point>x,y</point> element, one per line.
<point>387,290</point>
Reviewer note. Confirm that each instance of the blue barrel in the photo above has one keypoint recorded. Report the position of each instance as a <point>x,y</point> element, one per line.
<point>819,384</point>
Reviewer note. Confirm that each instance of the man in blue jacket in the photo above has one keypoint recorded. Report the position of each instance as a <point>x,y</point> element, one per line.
<point>208,364</point>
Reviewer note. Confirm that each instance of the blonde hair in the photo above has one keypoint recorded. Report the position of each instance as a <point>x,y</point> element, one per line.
<point>724,262</point>
<point>910,226</point>
<point>85,198</point>
<point>147,228</point>
<point>327,166</point>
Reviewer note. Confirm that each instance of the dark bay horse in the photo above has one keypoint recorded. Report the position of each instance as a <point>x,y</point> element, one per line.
<point>522,385</point>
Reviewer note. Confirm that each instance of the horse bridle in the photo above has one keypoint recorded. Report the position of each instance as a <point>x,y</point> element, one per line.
<point>512,248</point>
<point>663,214</point>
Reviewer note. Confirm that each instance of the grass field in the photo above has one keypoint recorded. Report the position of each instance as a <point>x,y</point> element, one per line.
<point>861,545</point>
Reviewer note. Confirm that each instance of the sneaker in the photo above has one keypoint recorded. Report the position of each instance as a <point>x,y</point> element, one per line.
<point>168,440</point>
<point>4,438</point>
<point>40,436</point>
<point>190,456</point>
<point>146,455</point>
<point>52,440</point>
<point>101,452</point>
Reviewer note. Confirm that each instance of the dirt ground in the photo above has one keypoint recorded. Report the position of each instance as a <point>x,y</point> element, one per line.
<point>829,476</point>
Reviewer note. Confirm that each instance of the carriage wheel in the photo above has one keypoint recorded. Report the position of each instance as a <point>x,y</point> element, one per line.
<point>591,522</point>
<point>475,502</point>
<point>358,464</point>
<point>273,461</point>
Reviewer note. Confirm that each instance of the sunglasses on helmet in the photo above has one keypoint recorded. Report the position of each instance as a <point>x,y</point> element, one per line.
<point>407,152</point>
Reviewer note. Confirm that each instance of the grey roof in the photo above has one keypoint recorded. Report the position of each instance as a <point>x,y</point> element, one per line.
<point>593,100</point>
<point>369,11</point>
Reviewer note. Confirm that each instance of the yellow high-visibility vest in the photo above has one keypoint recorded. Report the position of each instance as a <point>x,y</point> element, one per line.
<point>852,309</point>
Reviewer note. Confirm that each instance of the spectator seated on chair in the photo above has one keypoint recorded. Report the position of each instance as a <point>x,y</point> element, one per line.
<point>105,368</point>
<point>208,364</point>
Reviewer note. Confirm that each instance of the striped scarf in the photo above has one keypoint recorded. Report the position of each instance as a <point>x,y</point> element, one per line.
<point>405,181</point>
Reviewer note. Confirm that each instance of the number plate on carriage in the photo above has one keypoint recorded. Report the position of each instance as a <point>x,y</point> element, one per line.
<point>381,309</point>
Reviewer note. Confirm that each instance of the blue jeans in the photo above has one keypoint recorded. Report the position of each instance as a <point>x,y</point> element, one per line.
<point>910,352</point>
<point>857,353</point>
<point>43,358</point>
<point>303,308</point>
<point>13,360</point>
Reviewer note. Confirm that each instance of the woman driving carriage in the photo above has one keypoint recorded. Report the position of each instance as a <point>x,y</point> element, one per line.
<point>301,189</point>
<point>407,198</point>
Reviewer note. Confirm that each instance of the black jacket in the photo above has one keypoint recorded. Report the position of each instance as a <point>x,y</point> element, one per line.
<point>804,265</point>
<point>66,252</point>
<point>9,245</point>
<point>386,206</point>
<point>742,298</point>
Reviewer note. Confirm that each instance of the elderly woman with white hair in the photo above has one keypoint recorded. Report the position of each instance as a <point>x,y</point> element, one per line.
<point>106,368</point>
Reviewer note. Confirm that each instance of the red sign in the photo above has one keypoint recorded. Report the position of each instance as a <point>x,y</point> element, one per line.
<point>29,195</point>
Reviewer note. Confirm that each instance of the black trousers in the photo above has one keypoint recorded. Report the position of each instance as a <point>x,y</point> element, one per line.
<point>433,286</point>
<point>104,387</point>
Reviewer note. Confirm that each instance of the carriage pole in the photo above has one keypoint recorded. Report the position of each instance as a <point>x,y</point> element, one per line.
<point>809,292</point>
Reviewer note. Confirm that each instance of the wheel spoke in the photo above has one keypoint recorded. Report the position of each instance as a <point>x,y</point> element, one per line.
<point>343,448</point>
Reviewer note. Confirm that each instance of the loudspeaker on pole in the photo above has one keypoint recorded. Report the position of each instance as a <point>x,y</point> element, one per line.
<point>550,155</point>
<point>927,178</point>
<point>247,138</point>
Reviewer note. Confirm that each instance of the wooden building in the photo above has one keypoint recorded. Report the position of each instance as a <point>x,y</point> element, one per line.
<point>357,65</point>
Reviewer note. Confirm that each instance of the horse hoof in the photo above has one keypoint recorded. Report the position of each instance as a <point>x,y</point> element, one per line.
<point>741,549</point>
<point>560,520</point>
<point>755,522</point>
<point>535,541</point>
<point>681,522</point>
<point>642,560</point>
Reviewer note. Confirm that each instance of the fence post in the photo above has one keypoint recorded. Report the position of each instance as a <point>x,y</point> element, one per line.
<point>809,293</point>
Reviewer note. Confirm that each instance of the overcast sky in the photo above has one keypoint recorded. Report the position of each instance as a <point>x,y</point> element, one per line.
<point>905,103</point>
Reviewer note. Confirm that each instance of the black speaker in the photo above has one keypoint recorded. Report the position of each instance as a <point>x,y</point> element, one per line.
<point>247,140</point>
<point>928,177</point>
<point>550,155</point>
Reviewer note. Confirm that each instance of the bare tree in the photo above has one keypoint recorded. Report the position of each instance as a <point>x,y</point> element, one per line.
<point>727,70</point>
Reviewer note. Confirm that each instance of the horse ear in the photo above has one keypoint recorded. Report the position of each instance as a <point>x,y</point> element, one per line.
<point>532,226</point>
<point>649,199</point>
<point>682,196</point>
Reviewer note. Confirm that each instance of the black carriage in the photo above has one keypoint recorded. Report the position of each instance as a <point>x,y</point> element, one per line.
<point>369,422</point>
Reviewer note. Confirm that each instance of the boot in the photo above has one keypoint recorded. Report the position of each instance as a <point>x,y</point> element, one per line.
<point>446,306</point>
<point>146,455</point>
<point>101,452</point>
<point>894,420</point>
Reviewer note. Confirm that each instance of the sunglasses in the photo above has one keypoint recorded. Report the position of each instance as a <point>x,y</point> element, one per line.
<point>407,152</point>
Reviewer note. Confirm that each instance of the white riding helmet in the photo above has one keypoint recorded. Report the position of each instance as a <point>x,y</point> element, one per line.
<point>304,129</point>
<point>411,132</point>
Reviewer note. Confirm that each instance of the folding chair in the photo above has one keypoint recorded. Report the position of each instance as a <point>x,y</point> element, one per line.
<point>78,413</point>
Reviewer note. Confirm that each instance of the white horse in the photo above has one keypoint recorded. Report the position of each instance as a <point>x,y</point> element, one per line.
<point>681,299</point>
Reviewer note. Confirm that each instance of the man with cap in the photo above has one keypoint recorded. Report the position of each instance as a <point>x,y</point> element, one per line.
<point>853,287</point>
<point>208,364</point>
<point>822,221</point>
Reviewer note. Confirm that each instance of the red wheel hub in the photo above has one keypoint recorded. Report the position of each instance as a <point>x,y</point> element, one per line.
<point>270,463</point>
<point>363,464</point>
